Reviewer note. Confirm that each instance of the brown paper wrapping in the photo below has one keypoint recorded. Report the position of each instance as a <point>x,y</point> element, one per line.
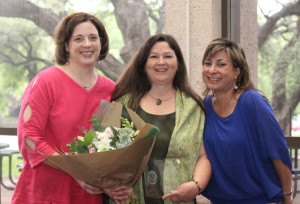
<point>116,167</point>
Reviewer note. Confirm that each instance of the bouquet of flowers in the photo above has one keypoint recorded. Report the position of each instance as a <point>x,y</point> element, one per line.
<point>104,138</point>
<point>110,155</point>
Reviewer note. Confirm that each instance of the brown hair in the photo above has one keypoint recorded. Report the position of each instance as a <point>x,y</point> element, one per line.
<point>64,31</point>
<point>238,58</point>
<point>135,82</point>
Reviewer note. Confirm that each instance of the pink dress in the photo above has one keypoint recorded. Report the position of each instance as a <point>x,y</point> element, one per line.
<point>61,109</point>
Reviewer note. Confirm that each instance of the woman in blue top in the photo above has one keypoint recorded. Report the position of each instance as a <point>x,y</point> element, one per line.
<point>243,140</point>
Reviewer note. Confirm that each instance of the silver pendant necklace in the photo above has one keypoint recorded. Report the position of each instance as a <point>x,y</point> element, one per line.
<point>85,86</point>
<point>158,101</point>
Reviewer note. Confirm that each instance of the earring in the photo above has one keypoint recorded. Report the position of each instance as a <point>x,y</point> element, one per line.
<point>236,86</point>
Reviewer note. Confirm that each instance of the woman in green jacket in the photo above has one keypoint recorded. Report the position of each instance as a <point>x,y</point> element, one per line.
<point>155,85</point>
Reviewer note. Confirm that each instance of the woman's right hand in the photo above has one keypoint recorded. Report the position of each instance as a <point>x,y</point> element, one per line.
<point>186,192</point>
<point>90,189</point>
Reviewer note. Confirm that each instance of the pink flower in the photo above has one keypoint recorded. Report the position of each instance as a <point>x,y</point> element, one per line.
<point>91,150</point>
<point>108,132</point>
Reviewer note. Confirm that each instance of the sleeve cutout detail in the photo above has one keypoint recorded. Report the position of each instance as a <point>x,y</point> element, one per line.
<point>27,113</point>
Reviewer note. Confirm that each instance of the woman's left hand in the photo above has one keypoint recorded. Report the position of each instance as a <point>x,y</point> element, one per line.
<point>118,193</point>
<point>184,193</point>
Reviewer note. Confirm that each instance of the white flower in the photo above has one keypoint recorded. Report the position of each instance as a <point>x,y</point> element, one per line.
<point>109,139</point>
<point>103,144</point>
<point>106,134</point>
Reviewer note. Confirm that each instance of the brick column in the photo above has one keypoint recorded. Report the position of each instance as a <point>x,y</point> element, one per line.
<point>249,35</point>
<point>195,23</point>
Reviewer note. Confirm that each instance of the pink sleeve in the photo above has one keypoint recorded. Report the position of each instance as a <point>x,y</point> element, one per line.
<point>38,96</point>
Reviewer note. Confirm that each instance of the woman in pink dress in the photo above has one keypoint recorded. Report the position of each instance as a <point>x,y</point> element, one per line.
<point>56,107</point>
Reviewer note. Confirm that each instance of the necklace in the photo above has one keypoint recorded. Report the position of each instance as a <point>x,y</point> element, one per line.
<point>158,101</point>
<point>84,82</point>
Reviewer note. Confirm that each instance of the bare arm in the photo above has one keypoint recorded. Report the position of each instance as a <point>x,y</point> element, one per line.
<point>31,147</point>
<point>189,190</point>
<point>203,170</point>
<point>285,177</point>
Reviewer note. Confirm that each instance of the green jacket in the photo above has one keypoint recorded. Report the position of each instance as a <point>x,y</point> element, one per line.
<point>184,146</point>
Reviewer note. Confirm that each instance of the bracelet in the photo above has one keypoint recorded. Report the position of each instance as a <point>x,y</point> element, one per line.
<point>198,186</point>
<point>287,193</point>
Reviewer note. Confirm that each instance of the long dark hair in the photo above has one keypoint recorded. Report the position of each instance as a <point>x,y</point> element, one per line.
<point>135,82</point>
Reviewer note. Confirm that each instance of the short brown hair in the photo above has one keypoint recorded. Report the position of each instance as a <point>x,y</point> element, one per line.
<point>64,31</point>
<point>237,55</point>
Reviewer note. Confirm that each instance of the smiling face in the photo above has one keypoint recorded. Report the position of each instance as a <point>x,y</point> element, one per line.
<point>84,45</point>
<point>219,73</point>
<point>161,65</point>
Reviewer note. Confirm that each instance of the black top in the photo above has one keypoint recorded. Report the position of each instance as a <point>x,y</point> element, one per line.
<point>152,182</point>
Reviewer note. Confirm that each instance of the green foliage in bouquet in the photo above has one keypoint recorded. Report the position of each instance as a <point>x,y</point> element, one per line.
<point>103,138</point>
<point>81,146</point>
